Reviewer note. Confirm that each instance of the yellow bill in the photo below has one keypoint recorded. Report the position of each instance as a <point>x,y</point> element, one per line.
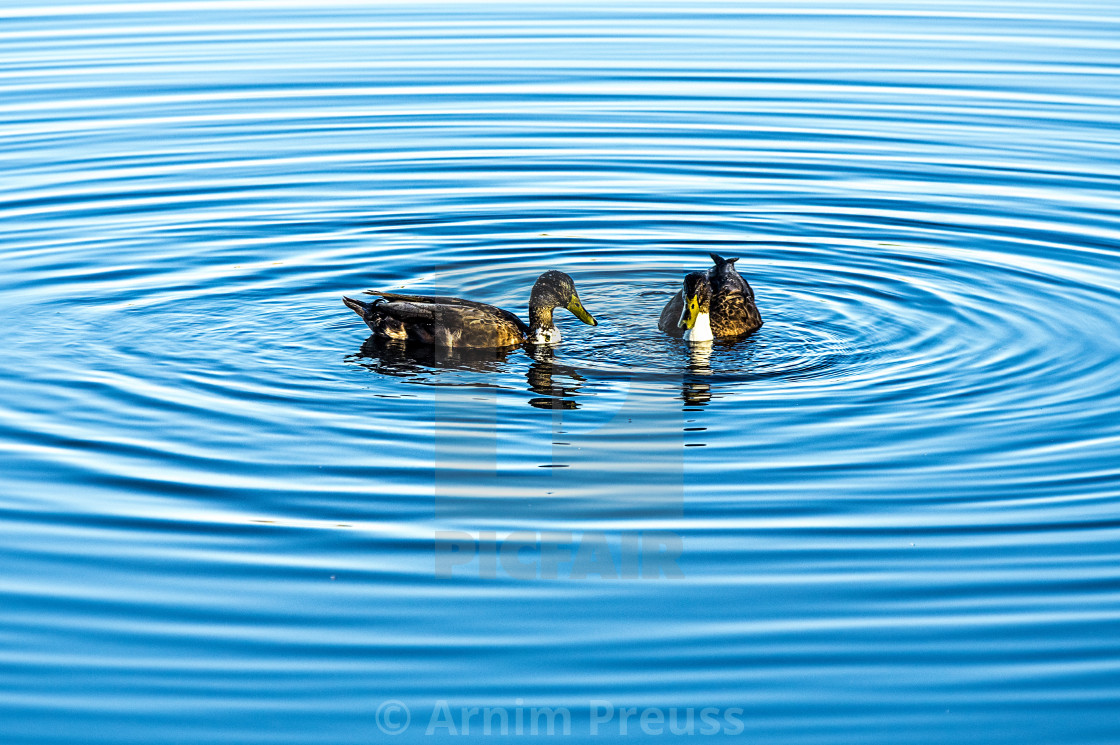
<point>577,309</point>
<point>689,314</point>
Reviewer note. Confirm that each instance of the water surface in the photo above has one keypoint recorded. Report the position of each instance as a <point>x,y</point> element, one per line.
<point>896,504</point>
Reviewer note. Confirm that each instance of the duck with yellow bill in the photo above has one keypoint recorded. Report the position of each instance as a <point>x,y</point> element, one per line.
<point>716,304</point>
<point>452,322</point>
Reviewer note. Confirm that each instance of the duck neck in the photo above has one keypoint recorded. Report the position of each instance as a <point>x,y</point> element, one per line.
<point>701,330</point>
<point>541,328</point>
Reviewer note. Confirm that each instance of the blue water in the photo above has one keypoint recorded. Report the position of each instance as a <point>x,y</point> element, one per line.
<point>890,516</point>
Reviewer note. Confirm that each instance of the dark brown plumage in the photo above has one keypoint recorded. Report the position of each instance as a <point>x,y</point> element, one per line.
<point>734,312</point>
<point>723,300</point>
<point>454,322</point>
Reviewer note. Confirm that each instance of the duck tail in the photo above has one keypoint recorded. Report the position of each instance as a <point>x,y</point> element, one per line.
<point>362,309</point>
<point>720,261</point>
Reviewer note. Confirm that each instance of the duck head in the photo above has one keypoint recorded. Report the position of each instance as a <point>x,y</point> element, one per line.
<point>553,289</point>
<point>697,306</point>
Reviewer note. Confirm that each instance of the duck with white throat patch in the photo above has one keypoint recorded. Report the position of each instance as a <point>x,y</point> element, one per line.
<point>717,304</point>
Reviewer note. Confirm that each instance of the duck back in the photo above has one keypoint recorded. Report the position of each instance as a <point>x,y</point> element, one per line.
<point>734,312</point>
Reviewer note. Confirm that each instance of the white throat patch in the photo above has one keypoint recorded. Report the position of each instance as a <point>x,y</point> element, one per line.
<point>701,330</point>
<point>545,336</point>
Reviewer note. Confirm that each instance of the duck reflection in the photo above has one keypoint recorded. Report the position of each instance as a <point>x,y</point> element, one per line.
<point>542,376</point>
<point>555,384</point>
<point>695,390</point>
<point>401,359</point>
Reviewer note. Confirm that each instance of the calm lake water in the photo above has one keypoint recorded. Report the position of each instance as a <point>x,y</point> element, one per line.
<point>890,516</point>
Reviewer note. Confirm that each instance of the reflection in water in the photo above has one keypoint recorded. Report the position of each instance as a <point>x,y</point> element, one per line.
<point>557,384</point>
<point>541,380</point>
<point>400,359</point>
<point>697,392</point>
<point>423,363</point>
<point>700,357</point>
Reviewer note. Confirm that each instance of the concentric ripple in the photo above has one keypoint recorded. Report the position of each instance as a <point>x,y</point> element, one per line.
<point>896,502</point>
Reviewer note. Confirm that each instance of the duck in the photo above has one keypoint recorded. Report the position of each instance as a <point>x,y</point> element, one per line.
<point>716,304</point>
<point>452,322</point>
